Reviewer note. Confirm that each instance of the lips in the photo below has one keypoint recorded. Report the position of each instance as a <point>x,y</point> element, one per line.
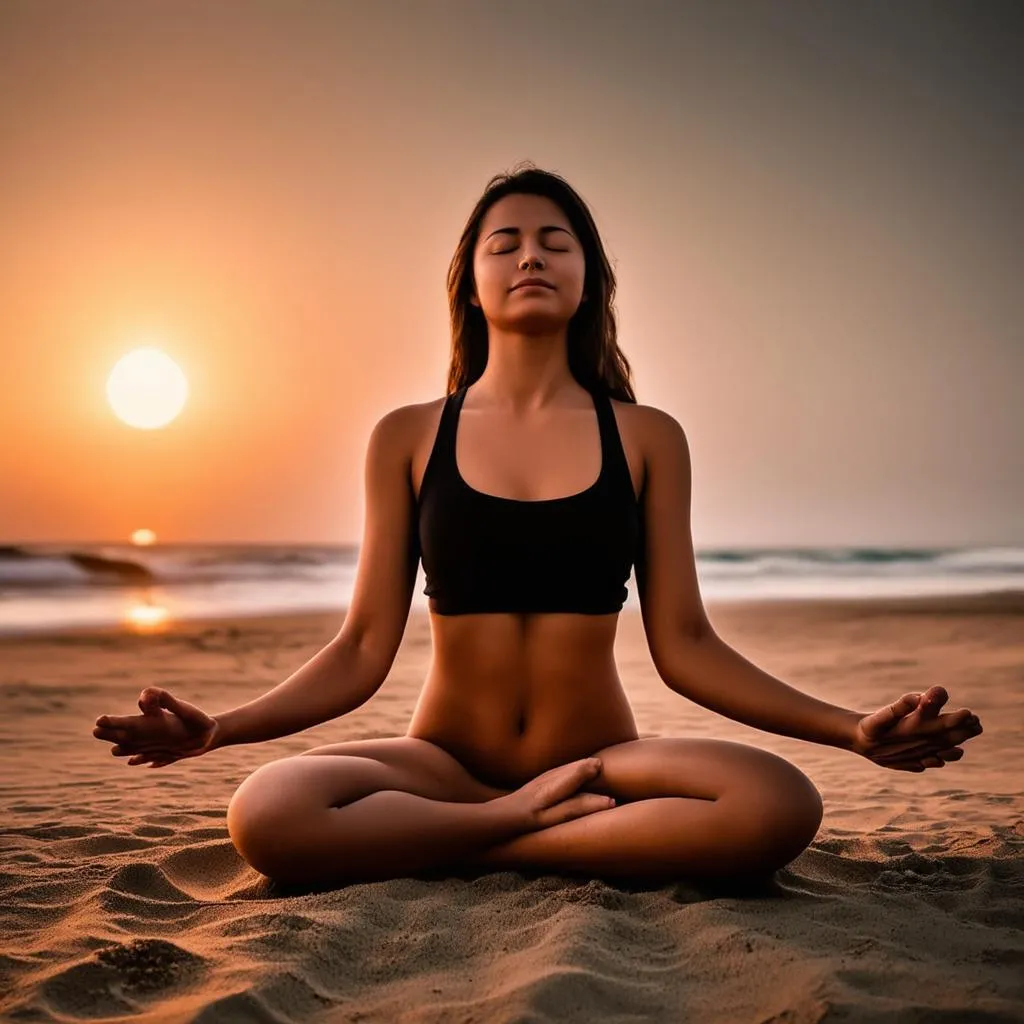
<point>532,282</point>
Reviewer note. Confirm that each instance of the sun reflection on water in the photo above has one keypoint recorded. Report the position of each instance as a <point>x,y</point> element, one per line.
<point>146,618</point>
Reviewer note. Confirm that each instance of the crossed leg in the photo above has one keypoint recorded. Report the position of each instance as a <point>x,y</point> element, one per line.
<point>686,809</point>
<point>363,810</point>
<point>373,809</point>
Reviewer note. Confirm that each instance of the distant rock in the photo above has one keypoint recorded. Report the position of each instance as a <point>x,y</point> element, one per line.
<point>12,551</point>
<point>117,570</point>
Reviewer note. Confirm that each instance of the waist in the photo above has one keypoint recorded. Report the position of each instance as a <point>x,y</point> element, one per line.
<point>510,695</point>
<point>522,646</point>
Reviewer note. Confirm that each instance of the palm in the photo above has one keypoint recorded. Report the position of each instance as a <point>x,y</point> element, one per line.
<point>161,729</point>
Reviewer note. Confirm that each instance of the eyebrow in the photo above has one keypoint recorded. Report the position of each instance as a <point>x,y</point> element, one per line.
<point>543,230</point>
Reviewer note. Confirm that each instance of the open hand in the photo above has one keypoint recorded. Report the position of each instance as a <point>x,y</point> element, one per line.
<point>168,730</point>
<point>910,735</point>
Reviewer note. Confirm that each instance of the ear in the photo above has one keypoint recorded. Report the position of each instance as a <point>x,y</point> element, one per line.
<point>474,300</point>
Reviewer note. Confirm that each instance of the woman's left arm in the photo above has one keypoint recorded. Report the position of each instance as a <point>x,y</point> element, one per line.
<point>716,676</point>
<point>694,661</point>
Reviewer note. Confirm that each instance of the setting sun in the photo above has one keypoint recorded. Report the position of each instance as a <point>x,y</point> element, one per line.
<point>146,389</point>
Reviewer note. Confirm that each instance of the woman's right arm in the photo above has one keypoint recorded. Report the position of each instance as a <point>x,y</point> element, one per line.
<point>350,669</point>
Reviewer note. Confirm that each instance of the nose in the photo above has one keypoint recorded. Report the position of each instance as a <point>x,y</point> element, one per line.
<point>530,260</point>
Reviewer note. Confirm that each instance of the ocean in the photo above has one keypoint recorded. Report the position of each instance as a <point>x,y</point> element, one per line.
<point>48,586</point>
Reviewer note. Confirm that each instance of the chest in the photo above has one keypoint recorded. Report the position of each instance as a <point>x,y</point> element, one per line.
<point>538,461</point>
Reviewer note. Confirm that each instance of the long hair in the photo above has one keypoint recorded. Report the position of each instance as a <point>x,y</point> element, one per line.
<point>595,359</point>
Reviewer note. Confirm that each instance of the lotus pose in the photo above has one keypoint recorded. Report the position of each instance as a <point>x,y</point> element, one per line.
<point>529,492</point>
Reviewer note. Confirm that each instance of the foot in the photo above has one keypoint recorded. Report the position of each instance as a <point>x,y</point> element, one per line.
<point>553,797</point>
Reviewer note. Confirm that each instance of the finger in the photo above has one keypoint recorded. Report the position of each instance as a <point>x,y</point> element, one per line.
<point>149,700</point>
<point>931,728</point>
<point>153,698</point>
<point>149,753</point>
<point>111,734</point>
<point>921,758</point>
<point>578,806</point>
<point>188,713</point>
<point>920,744</point>
<point>904,752</point>
<point>885,718</point>
<point>114,721</point>
<point>931,702</point>
<point>901,756</point>
<point>145,758</point>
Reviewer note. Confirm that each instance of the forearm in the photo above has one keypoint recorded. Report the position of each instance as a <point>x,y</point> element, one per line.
<point>336,680</point>
<point>714,675</point>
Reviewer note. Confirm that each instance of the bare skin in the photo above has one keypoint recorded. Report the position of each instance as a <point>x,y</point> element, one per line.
<point>522,731</point>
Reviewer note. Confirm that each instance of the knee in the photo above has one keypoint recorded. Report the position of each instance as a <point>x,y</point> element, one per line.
<point>783,816</point>
<point>262,813</point>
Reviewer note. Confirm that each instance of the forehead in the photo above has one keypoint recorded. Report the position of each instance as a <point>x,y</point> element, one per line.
<point>523,211</point>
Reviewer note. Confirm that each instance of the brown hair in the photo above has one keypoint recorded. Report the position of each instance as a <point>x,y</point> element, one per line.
<point>595,359</point>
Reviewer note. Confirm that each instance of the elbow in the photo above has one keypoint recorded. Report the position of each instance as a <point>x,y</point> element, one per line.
<point>361,648</point>
<point>682,663</point>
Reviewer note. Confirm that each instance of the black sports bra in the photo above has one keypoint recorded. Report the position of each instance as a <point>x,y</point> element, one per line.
<point>485,553</point>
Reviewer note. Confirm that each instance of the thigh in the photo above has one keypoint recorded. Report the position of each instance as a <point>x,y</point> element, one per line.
<point>705,769</point>
<point>686,809</point>
<point>417,766</point>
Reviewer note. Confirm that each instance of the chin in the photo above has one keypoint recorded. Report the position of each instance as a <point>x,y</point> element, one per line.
<point>533,325</point>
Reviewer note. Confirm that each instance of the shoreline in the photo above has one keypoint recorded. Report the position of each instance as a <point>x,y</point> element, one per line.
<point>1007,601</point>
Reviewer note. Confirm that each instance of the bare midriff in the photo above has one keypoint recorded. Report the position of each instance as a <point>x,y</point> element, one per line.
<point>511,695</point>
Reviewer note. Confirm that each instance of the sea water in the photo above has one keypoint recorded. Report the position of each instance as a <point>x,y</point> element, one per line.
<point>58,585</point>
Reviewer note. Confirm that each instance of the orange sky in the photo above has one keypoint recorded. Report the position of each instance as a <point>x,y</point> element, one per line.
<point>815,216</point>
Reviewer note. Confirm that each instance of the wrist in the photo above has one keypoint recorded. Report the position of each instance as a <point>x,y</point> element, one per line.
<point>847,730</point>
<point>221,733</point>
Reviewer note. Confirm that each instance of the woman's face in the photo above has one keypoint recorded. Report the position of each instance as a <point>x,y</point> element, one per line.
<point>527,236</point>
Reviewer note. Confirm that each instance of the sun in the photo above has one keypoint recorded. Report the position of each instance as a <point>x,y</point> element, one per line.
<point>146,389</point>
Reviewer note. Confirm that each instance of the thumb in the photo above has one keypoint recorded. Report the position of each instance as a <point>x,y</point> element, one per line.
<point>885,718</point>
<point>149,700</point>
<point>153,698</point>
<point>188,713</point>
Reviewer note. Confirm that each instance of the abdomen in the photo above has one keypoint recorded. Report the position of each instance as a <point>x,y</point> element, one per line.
<point>511,695</point>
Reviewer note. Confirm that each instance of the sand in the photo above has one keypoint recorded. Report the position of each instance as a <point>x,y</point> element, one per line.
<point>123,896</point>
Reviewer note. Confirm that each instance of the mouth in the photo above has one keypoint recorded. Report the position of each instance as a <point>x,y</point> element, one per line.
<point>533,284</point>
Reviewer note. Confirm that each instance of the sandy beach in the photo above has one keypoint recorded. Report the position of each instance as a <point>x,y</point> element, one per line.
<point>122,895</point>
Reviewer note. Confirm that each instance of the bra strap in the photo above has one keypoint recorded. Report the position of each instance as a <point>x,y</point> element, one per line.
<point>449,415</point>
<point>612,451</point>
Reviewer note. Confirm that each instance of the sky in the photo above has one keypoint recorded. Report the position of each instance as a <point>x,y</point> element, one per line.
<point>815,212</point>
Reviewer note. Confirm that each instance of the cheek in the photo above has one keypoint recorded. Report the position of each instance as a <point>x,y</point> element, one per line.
<point>489,279</point>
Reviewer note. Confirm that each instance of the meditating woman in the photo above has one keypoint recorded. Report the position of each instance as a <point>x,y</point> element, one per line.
<point>530,492</point>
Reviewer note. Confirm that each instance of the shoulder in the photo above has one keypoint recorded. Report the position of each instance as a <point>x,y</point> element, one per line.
<point>647,418</point>
<point>401,429</point>
<point>656,433</point>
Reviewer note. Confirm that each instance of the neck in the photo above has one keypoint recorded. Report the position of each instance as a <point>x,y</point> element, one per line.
<point>525,371</point>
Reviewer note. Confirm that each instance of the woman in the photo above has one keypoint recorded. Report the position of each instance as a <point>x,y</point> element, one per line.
<point>529,492</point>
